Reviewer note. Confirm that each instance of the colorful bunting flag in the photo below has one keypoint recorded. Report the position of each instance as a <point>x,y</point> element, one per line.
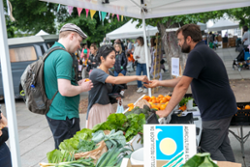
<point>58,8</point>
<point>92,13</point>
<point>104,15</point>
<point>122,18</point>
<point>87,12</point>
<point>100,15</point>
<point>118,18</point>
<point>79,10</point>
<point>113,15</point>
<point>70,9</point>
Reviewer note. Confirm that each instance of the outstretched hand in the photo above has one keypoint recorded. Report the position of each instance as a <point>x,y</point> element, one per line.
<point>143,78</point>
<point>152,84</point>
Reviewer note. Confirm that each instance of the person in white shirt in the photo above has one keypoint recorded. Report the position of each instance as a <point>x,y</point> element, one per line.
<point>246,37</point>
<point>140,57</point>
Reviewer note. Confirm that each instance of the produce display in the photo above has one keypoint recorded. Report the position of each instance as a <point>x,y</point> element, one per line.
<point>105,144</point>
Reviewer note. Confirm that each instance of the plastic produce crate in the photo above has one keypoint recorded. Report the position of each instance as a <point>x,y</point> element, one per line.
<point>242,117</point>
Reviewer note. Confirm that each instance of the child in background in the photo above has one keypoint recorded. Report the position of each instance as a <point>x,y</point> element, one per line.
<point>215,43</point>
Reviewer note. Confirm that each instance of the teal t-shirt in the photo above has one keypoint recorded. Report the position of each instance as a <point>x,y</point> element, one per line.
<point>59,65</point>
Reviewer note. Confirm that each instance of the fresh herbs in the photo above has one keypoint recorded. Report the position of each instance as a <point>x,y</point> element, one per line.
<point>184,101</point>
<point>85,146</point>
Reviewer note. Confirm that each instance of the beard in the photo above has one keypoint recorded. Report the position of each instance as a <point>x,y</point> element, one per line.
<point>185,48</point>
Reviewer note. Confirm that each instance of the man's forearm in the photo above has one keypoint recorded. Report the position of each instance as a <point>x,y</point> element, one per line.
<point>169,83</point>
<point>71,91</point>
<point>178,93</point>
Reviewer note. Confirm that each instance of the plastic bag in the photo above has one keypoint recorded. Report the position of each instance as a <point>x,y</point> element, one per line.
<point>120,108</point>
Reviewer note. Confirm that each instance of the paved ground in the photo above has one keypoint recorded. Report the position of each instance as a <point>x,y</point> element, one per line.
<point>35,138</point>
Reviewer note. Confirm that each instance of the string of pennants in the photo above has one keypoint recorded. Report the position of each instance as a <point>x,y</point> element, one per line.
<point>102,15</point>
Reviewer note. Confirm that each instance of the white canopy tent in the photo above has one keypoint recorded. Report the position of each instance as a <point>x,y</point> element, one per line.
<point>41,32</point>
<point>203,26</point>
<point>142,9</point>
<point>129,30</point>
<point>223,24</point>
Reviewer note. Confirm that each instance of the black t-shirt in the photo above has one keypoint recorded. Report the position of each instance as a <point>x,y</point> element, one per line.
<point>99,93</point>
<point>210,85</point>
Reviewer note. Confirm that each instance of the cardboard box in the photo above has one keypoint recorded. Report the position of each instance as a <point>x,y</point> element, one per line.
<point>126,163</point>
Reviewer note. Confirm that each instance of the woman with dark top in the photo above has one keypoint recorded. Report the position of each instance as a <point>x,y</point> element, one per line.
<point>5,158</point>
<point>92,61</point>
<point>120,61</point>
<point>99,104</point>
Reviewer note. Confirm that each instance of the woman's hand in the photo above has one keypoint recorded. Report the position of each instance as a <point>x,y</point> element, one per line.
<point>143,78</point>
<point>152,84</point>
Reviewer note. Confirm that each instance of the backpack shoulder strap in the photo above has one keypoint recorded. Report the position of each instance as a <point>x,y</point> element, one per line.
<point>52,50</point>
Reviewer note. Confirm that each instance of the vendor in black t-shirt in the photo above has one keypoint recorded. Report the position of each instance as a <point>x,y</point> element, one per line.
<point>207,75</point>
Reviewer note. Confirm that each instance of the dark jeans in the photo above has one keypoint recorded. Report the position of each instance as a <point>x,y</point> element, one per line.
<point>123,72</point>
<point>215,139</point>
<point>63,129</point>
<point>5,158</point>
<point>140,68</point>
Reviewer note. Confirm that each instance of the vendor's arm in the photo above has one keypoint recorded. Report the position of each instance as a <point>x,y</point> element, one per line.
<point>125,79</point>
<point>165,83</point>
<point>178,93</point>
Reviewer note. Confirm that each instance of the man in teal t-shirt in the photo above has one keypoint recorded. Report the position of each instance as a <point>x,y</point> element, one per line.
<point>59,75</point>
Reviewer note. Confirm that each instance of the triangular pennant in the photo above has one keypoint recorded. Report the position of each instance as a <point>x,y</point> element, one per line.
<point>118,18</point>
<point>122,18</point>
<point>104,15</point>
<point>100,15</point>
<point>79,10</point>
<point>113,15</point>
<point>87,12</point>
<point>92,13</point>
<point>58,8</point>
<point>109,15</point>
<point>70,9</point>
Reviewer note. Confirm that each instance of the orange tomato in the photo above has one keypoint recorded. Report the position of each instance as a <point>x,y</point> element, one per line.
<point>163,106</point>
<point>154,106</point>
<point>161,96</point>
<point>159,106</point>
<point>168,97</point>
<point>238,108</point>
<point>164,99</point>
<point>247,107</point>
<point>153,101</point>
<point>131,105</point>
<point>150,100</point>
<point>146,98</point>
<point>153,97</point>
<point>130,108</point>
<point>183,108</point>
<point>86,80</point>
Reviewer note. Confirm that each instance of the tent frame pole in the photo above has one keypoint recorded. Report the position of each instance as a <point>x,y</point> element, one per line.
<point>8,91</point>
<point>146,48</point>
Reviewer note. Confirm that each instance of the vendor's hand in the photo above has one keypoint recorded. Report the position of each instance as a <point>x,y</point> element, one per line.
<point>162,113</point>
<point>152,84</point>
<point>3,121</point>
<point>143,78</point>
<point>93,63</point>
<point>86,86</point>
